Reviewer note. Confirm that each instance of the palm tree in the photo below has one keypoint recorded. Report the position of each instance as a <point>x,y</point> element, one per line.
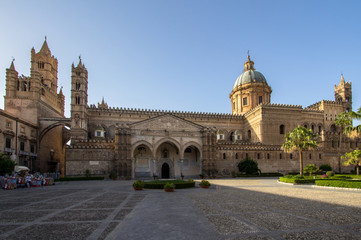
<point>357,116</point>
<point>353,158</point>
<point>343,120</point>
<point>300,139</point>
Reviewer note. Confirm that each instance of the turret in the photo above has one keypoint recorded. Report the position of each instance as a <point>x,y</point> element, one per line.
<point>79,101</point>
<point>343,94</point>
<point>47,66</point>
<point>11,80</point>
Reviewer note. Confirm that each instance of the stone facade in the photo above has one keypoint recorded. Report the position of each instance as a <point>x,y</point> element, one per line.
<point>34,101</point>
<point>142,143</point>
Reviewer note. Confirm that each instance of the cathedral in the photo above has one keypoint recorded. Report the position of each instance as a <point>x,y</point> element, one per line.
<point>138,143</point>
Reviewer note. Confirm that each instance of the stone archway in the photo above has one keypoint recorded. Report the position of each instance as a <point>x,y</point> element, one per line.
<point>168,152</point>
<point>192,163</point>
<point>143,165</point>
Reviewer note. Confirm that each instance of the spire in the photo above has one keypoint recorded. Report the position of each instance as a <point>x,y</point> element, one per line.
<point>342,79</point>
<point>12,67</point>
<point>80,64</point>
<point>45,49</point>
<point>61,91</point>
<point>249,65</point>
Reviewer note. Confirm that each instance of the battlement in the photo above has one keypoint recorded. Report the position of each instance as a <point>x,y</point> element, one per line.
<point>324,102</point>
<point>91,144</point>
<point>182,114</point>
<point>280,106</point>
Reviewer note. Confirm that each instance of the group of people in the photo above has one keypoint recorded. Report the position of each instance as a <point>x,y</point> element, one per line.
<point>24,179</point>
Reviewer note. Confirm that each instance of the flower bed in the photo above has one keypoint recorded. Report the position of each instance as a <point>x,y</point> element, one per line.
<point>159,184</point>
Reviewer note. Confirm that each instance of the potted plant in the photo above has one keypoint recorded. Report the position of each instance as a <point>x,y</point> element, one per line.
<point>169,187</point>
<point>138,185</point>
<point>204,184</point>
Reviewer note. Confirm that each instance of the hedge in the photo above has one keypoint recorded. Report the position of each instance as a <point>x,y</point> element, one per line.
<point>159,184</point>
<point>275,174</point>
<point>78,179</point>
<point>297,181</point>
<point>339,183</point>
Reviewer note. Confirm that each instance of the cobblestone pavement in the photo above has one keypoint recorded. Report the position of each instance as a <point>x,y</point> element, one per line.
<point>230,209</point>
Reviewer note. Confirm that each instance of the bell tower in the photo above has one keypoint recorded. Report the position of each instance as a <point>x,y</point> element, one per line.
<point>79,101</point>
<point>343,94</point>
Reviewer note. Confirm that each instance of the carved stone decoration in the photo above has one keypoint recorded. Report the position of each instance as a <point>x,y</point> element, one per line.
<point>77,118</point>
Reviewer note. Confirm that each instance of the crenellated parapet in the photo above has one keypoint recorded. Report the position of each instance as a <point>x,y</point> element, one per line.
<point>91,144</point>
<point>153,113</point>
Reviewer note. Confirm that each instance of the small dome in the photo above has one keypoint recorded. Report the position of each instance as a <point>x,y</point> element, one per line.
<point>250,76</point>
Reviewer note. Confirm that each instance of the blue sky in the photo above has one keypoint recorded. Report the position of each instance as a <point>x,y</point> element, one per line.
<point>186,55</point>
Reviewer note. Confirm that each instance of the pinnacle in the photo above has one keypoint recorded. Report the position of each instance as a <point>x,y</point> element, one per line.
<point>12,67</point>
<point>45,49</point>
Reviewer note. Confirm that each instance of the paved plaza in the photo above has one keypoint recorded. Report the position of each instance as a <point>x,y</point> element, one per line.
<point>230,209</point>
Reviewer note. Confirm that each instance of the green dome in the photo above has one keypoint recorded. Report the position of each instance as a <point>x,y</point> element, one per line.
<point>250,76</point>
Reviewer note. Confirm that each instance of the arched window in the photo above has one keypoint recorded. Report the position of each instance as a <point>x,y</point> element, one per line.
<point>333,144</point>
<point>333,128</point>
<point>280,155</point>
<point>236,155</point>
<point>220,135</point>
<point>258,155</point>
<point>268,156</point>
<point>165,153</point>
<point>305,126</point>
<point>237,135</point>
<point>282,129</point>
<point>246,155</point>
<point>313,128</point>
<point>224,155</point>
<point>249,134</point>
<point>232,137</point>
<point>320,156</point>
<point>25,84</point>
<point>77,100</point>
<point>77,86</point>
<point>291,156</point>
<point>319,129</point>
<point>310,156</point>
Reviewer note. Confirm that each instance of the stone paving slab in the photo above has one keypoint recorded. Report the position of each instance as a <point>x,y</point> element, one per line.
<point>231,209</point>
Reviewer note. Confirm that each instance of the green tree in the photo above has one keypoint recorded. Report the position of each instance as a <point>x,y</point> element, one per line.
<point>248,165</point>
<point>6,165</point>
<point>355,116</point>
<point>344,121</point>
<point>300,139</point>
<point>353,158</point>
<point>310,169</point>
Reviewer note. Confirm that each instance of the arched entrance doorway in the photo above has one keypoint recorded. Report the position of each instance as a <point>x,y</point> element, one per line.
<point>167,152</point>
<point>165,170</point>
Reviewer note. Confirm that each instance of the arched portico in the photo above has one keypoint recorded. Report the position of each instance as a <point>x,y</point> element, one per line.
<point>167,151</point>
<point>191,163</point>
<point>142,164</point>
